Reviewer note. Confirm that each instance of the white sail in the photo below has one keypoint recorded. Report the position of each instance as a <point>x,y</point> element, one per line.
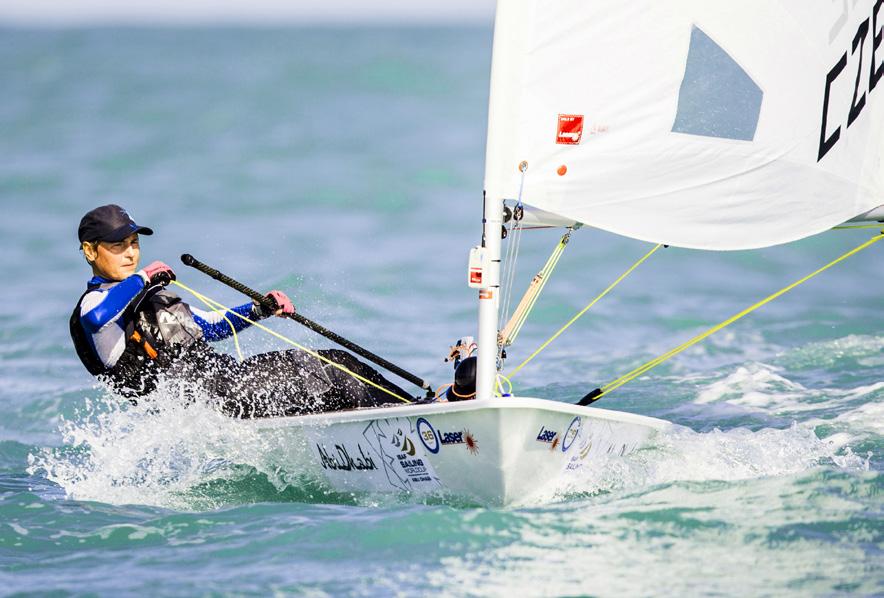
<point>726,124</point>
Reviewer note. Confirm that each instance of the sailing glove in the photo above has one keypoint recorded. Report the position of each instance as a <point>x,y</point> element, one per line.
<point>282,305</point>
<point>157,273</point>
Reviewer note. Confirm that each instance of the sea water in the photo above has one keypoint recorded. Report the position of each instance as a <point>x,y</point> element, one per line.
<point>344,166</point>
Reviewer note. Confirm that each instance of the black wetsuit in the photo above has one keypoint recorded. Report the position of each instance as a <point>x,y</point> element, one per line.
<point>133,335</point>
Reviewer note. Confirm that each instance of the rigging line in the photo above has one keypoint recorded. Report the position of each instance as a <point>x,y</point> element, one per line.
<point>504,300</point>
<point>855,226</point>
<point>687,344</point>
<point>511,271</point>
<point>229,323</point>
<point>532,294</point>
<point>585,309</point>
<point>546,274</point>
<point>500,390</point>
<point>509,264</point>
<point>508,272</point>
<point>512,254</point>
<point>513,247</point>
<point>260,326</point>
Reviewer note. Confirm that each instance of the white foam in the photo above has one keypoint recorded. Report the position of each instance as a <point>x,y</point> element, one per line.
<point>861,348</point>
<point>752,386</point>
<point>869,416</point>
<point>682,455</point>
<point>760,387</point>
<point>155,453</point>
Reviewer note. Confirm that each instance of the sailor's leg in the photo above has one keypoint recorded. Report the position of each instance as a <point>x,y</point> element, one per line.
<point>220,377</point>
<point>295,383</point>
<point>352,392</point>
<point>278,384</point>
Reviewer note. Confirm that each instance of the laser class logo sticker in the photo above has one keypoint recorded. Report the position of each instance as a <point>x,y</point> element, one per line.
<point>433,439</point>
<point>546,435</point>
<point>452,437</point>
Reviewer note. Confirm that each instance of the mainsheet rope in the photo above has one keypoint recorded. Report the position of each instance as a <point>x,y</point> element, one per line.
<point>629,376</point>
<point>585,309</point>
<point>219,306</point>
<point>229,323</point>
<point>855,226</point>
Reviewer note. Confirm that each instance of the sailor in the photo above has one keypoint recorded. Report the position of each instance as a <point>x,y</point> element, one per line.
<point>130,331</point>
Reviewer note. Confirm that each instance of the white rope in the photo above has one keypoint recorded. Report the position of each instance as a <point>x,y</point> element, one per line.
<point>509,266</point>
<point>510,260</point>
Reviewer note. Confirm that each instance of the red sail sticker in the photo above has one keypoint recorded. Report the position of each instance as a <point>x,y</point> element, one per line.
<point>570,129</point>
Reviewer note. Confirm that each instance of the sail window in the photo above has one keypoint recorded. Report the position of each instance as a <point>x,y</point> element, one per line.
<point>717,97</point>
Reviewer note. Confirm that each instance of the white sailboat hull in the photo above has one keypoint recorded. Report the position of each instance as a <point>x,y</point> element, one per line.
<point>494,452</point>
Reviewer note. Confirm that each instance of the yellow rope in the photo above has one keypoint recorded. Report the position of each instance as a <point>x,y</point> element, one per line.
<point>209,301</point>
<point>584,310</point>
<point>671,353</point>
<point>500,390</point>
<point>855,226</point>
<point>229,323</point>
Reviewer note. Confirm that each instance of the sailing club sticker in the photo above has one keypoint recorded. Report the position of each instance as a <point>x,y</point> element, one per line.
<point>405,464</point>
<point>570,129</point>
<point>427,435</point>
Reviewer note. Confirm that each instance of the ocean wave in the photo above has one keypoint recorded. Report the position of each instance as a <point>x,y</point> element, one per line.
<point>759,388</point>
<point>167,451</point>
<point>850,351</point>
<point>683,455</point>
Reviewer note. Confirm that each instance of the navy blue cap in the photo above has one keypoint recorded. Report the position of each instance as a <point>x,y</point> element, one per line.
<point>109,223</point>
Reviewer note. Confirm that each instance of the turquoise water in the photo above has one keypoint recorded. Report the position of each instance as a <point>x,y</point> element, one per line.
<point>344,166</point>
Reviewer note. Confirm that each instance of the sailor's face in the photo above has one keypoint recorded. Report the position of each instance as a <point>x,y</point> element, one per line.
<point>116,261</point>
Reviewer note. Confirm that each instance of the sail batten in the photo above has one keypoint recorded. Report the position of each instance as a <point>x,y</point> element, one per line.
<point>712,125</point>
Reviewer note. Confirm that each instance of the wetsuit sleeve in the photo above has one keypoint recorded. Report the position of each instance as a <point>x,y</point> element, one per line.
<point>109,304</point>
<point>215,327</point>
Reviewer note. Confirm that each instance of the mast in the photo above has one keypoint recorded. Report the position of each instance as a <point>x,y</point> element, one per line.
<point>489,298</point>
<point>512,25</point>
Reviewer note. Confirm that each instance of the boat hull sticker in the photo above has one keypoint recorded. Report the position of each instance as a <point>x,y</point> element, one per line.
<point>427,435</point>
<point>571,433</point>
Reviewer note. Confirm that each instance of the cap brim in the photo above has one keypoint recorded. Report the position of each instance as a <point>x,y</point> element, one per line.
<point>126,230</point>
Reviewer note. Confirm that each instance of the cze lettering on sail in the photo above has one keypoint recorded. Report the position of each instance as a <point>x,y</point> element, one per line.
<point>870,76</point>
